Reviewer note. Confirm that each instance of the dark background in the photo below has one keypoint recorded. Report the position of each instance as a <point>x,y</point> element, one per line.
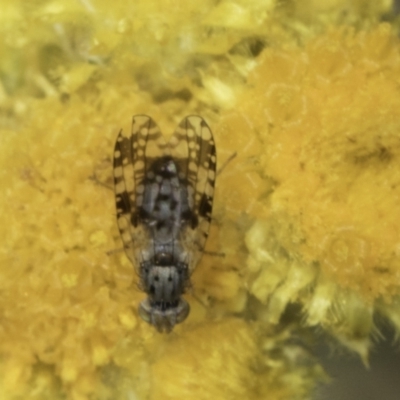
<point>351,380</point>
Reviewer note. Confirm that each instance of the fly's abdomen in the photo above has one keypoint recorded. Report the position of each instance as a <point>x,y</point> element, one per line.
<point>165,200</point>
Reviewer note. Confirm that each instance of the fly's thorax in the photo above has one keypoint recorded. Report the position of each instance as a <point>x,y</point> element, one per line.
<point>164,281</point>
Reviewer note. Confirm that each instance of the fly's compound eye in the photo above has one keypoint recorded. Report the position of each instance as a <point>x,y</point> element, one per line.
<point>165,319</point>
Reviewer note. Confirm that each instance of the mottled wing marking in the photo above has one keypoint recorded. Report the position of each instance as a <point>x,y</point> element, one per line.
<point>193,144</point>
<point>132,154</point>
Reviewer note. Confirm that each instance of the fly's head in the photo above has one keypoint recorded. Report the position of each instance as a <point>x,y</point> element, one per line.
<point>164,281</point>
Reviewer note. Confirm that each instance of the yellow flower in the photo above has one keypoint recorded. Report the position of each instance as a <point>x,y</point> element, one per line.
<point>306,207</point>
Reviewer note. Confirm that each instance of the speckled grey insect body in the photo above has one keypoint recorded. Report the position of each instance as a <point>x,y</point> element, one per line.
<point>164,194</point>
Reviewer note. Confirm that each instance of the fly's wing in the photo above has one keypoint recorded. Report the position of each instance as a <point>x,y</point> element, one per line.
<point>193,145</point>
<point>132,155</point>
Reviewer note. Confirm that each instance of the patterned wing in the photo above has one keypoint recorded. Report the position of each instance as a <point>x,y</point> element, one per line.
<point>193,144</point>
<point>132,155</point>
